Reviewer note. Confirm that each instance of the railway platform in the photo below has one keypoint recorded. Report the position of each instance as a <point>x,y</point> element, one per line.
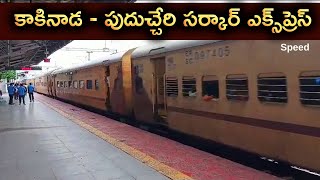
<point>50,139</point>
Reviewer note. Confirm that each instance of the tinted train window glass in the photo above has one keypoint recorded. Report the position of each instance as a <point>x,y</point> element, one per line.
<point>189,87</point>
<point>310,90</point>
<point>172,87</point>
<point>96,82</point>
<point>61,83</point>
<point>81,84</point>
<point>89,84</point>
<point>237,87</point>
<point>272,89</point>
<point>210,87</point>
<point>75,84</point>
<point>70,84</point>
<point>66,84</point>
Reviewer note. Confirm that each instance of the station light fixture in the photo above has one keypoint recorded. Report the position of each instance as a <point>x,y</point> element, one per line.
<point>46,60</point>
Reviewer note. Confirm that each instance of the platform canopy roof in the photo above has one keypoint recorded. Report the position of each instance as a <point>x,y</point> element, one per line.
<point>27,52</point>
<point>31,52</point>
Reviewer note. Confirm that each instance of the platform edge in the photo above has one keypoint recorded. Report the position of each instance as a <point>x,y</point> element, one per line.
<point>142,157</point>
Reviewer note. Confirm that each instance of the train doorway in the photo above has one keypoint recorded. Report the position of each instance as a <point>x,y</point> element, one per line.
<point>107,80</point>
<point>54,86</point>
<point>158,86</point>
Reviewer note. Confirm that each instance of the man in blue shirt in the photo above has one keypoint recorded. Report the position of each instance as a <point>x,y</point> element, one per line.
<point>16,95</point>
<point>22,93</point>
<point>30,91</point>
<point>11,92</point>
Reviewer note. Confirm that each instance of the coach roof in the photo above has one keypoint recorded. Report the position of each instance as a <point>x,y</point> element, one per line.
<point>168,46</point>
<point>103,60</point>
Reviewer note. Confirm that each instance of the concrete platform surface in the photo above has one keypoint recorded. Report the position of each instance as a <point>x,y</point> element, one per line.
<point>38,143</point>
<point>169,157</point>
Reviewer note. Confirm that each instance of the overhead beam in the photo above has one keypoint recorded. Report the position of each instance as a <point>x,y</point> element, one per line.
<point>25,46</point>
<point>37,42</point>
<point>18,53</point>
<point>35,54</point>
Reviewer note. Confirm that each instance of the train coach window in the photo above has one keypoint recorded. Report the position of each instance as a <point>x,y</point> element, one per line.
<point>58,84</point>
<point>89,84</point>
<point>272,89</point>
<point>189,86</point>
<point>310,88</point>
<point>81,84</point>
<point>66,84</point>
<point>70,84</point>
<point>210,87</point>
<point>172,86</point>
<point>96,82</point>
<point>61,84</point>
<point>75,84</point>
<point>237,87</point>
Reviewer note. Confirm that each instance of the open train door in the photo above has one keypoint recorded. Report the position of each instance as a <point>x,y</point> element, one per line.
<point>48,85</point>
<point>158,88</point>
<point>107,82</point>
<point>54,86</point>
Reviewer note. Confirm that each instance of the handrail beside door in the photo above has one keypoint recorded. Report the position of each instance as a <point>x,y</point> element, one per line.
<point>165,92</point>
<point>152,94</point>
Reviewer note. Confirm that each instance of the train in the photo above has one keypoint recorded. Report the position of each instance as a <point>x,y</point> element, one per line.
<point>246,94</point>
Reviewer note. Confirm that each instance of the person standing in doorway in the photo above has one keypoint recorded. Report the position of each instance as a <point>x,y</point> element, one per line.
<point>22,93</point>
<point>11,91</point>
<point>30,91</point>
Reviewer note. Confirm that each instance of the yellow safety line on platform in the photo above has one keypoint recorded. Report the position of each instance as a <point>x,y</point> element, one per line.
<point>148,160</point>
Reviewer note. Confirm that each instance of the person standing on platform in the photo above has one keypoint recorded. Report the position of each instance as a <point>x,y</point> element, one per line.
<point>22,93</point>
<point>11,91</point>
<point>30,91</point>
<point>16,94</point>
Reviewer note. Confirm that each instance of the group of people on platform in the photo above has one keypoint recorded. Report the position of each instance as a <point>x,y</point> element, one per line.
<point>19,91</point>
